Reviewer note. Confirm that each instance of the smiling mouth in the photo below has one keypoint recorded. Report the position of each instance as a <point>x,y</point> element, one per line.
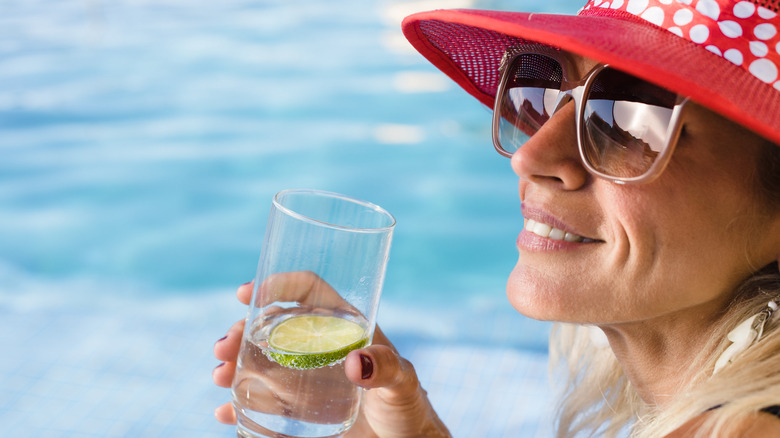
<point>550,232</point>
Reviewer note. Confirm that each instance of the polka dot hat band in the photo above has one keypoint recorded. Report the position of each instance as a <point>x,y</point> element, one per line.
<point>743,33</point>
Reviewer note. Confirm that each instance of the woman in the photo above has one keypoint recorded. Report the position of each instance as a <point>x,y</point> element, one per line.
<point>650,189</point>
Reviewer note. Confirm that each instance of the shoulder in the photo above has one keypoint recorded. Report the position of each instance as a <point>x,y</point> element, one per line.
<point>760,425</point>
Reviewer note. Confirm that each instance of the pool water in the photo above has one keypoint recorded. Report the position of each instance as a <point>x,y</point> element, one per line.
<point>141,144</point>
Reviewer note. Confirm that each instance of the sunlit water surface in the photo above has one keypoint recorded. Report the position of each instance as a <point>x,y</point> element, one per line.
<point>141,144</point>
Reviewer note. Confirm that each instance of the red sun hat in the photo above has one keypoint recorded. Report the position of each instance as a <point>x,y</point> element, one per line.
<point>723,54</point>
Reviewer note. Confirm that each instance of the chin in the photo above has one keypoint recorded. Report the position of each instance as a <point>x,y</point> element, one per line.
<point>536,296</point>
<point>561,297</point>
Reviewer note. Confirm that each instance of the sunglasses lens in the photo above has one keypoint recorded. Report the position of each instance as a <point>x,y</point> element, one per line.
<point>530,94</point>
<point>625,123</point>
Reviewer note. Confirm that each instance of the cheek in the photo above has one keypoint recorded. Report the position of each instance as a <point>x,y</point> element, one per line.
<point>693,248</point>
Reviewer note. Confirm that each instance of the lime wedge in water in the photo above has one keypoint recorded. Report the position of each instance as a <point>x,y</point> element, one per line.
<point>313,341</point>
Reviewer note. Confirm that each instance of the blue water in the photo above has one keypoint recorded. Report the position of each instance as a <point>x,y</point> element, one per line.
<point>141,144</point>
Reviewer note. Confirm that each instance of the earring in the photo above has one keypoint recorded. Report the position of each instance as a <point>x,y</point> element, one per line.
<point>597,337</point>
<point>745,334</point>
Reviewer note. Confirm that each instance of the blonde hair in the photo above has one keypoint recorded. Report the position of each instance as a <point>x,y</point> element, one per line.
<point>597,399</point>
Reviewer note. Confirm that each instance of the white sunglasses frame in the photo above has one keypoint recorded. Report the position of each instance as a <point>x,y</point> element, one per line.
<point>576,90</point>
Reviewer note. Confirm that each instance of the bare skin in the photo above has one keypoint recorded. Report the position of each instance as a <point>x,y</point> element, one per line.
<point>661,260</point>
<point>395,404</point>
<point>659,264</point>
<point>398,400</point>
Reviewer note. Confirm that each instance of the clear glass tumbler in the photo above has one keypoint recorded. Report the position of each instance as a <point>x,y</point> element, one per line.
<point>315,298</point>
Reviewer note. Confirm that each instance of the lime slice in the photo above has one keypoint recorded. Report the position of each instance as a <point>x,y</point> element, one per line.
<point>313,341</point>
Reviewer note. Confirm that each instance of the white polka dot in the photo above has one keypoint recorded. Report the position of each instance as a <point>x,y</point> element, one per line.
<point>686,2</point>
<point>744,9</point>
<point>764,69</point>
<point>777,47</point>
<point>604,5</point>
<point>765,31</point>
<point>709,8</point>
<point>734,56</point>
<point>714,50</point>
<point>699,33</point>
<point>597,3</point>
<point>676,30</point>
<point>683,17</point>
<point>636,7</point>
<point>731,29</point>
<point>766,13</point>
<point>654,15</point>
<point>665,2</point>
<point>617,4</point>
<point>777,85</point>
<point>759,49</point>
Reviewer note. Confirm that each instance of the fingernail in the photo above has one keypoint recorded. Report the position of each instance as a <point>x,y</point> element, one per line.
<point>367,367</point>
<point>220,365</point>
<point>221,339</point>
<point>248,282</point>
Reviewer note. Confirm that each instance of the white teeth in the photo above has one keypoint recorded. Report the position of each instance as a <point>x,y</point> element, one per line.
<point>544,230</point>
<point>556,234</point>
<point>539,228</point>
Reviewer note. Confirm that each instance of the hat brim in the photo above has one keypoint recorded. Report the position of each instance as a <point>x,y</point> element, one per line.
<point>467,45</point>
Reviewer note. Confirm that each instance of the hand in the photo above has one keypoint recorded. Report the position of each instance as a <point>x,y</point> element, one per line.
<point>394,404</point>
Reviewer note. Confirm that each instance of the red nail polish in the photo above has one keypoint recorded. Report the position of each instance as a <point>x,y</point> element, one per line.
<point>367,367</point>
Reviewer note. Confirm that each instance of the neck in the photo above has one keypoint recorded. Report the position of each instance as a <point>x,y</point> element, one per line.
<point>657,356</point>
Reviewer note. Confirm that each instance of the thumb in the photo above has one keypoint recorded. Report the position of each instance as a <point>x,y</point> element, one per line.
<point>396,405</point>
<point>379,367</point>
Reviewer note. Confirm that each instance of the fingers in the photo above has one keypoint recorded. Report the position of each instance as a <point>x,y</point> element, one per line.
<point>244,292</point>
<point>380,338</point>
<point>223,374</point>
<point>288,286</point>
<point>302,287</point>
<point>226,349</point>
<point>225,414</point>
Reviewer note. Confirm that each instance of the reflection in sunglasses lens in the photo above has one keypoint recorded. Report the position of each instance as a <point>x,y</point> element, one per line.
<point>529,96</point>
<point>626,122</point>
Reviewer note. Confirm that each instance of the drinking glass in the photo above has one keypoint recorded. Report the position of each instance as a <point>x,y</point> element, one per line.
<point>315,298</point>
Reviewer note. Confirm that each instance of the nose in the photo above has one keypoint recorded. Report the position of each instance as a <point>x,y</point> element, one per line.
<point>551,156</point>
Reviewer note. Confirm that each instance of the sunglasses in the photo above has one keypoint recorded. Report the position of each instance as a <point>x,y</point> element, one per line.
<point>627,128</point>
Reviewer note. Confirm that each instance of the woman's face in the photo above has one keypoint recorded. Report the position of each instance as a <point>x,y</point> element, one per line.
<point>682,241</point>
